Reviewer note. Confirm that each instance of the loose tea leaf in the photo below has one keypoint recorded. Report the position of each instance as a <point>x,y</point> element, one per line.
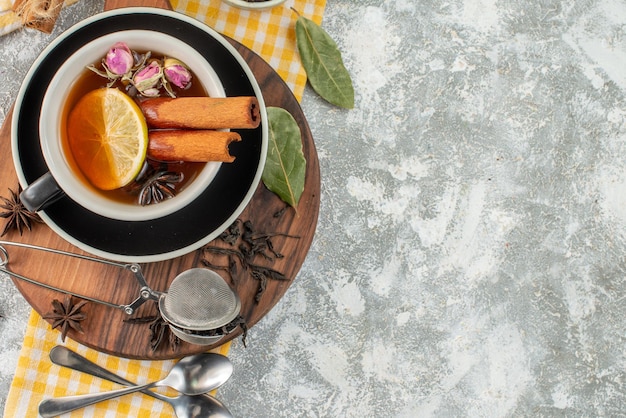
<point>285,167</point>
<point>159,328</point>
<point>246,246</point>
<point>322,62</point>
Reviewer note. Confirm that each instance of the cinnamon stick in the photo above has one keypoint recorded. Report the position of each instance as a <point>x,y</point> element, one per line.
<point>202,112</point>
<point>191,145</point>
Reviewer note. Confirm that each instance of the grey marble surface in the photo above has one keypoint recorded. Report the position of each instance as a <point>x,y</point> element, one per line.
<point>469,256</point>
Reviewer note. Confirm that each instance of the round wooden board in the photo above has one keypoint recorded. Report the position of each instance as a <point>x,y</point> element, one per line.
<point>105,329</point>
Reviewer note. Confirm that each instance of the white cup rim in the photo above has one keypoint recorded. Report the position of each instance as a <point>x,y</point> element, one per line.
<point>50,128</point>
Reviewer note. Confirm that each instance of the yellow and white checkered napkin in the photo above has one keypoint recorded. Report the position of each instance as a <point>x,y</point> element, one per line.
<point>36,378</point>
<point>269,33</point>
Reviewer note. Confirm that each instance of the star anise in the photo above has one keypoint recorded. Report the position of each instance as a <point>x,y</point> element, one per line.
<point>18,217</point>
<point>66,315</point>
<point>160,186</point>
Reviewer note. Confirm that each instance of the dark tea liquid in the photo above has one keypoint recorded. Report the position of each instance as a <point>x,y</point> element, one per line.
<point>89,81</point>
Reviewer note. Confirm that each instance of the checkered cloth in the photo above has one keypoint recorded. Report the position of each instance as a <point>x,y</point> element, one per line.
<point>270,33</point>
<point>36,378</point>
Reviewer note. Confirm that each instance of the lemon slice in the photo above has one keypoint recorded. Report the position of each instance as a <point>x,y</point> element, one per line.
<point>108,138</point>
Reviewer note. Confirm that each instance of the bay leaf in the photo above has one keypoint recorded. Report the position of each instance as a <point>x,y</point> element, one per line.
<point>323,64</point>
<point>285,166</point>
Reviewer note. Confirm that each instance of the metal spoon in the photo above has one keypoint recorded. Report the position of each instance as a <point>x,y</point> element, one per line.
<point>192,375</point>
<point>185,406</point>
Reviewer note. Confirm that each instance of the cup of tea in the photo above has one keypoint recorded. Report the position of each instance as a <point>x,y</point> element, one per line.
<point>72,81</point>
<point>108,223</point>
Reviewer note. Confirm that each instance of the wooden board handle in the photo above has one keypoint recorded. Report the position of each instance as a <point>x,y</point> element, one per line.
<point>118,4</point>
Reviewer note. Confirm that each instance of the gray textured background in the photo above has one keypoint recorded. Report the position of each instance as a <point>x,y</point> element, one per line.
<point>469,257</point>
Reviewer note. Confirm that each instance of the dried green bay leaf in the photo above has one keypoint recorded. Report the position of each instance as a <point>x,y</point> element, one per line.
<point>322,62</point>
<point>285,167</point>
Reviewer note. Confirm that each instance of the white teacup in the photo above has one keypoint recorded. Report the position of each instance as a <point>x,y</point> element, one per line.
<point>62,178</point>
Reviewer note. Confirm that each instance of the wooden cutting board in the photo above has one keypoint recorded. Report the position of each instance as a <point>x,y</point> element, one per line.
<point>105,328</point>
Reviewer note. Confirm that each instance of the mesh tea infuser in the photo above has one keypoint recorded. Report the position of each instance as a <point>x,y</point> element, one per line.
<point>198,299</point>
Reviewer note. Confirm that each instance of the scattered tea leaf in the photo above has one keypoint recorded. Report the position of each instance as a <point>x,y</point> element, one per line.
<point>159,329</point>
<point>248,253</point>
<point>285,167</point>
<point>322,62</point>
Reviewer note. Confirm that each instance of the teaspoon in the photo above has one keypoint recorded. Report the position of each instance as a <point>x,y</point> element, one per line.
<point>192,375</point>
<point>185,406</point>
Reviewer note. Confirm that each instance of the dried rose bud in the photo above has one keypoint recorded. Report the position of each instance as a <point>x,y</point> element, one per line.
<point>151,92</point>
<point>176,72</point>
<point>119,59</point>
<point>148,77</point>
